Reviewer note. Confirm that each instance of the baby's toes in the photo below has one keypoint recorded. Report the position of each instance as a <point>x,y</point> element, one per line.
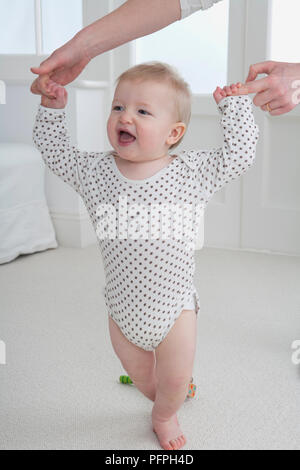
<point>174,444</point>
<point>167,446</point>
<point>178,442</point>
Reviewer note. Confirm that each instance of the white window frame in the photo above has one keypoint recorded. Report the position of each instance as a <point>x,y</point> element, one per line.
<point>16,67</point>
<point>38,27</point>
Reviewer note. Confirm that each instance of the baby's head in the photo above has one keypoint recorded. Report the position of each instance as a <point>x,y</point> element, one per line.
<point>150,112</point>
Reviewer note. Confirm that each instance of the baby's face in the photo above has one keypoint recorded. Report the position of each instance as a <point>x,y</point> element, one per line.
<point>146,111</point>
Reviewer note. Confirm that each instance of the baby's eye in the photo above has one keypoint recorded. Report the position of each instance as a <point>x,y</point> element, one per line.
<point>143,111</point>
<point>115,108</point>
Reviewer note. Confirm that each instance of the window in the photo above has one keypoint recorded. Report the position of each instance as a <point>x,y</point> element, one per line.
<point>17,27</point>
<point>61,20</point>
<point>38,26</point>
<point>285,32</point>
<point>197,46</point>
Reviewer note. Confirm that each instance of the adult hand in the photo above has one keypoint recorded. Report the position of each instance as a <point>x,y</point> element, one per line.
<point>62,67</point>
<point>133,19</point>
<point>279,92</point>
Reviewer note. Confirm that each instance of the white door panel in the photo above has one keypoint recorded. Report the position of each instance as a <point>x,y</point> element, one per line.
<point>271,193</point>
<point>271,212</point>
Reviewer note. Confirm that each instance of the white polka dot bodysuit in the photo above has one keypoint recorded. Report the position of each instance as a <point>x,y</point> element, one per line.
<point>149,272</point>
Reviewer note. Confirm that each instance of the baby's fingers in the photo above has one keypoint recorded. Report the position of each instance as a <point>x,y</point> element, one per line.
<point>235,87</point>
<point>218,94</point>
<point>59,100</point>
<point>51,87</point>
<point>227,90</point>
<point>61,97</point>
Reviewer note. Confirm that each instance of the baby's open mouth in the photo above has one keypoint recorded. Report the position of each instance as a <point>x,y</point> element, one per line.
<point>126,137</point>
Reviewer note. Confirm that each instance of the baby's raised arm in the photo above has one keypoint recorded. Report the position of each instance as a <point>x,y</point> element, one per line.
<point>218,166</point>
<point>51,137</point>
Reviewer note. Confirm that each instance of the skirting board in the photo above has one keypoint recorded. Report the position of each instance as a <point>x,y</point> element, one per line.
<point>72,230</point>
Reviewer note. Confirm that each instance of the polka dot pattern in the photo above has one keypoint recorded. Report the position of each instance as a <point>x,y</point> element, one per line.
<point>148,279</point>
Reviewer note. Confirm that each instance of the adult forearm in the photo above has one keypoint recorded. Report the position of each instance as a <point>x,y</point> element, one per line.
<point>133,19</point>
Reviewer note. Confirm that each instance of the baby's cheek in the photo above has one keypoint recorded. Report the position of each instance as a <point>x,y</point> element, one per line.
<point>145,138</point>
<point>110,130</point>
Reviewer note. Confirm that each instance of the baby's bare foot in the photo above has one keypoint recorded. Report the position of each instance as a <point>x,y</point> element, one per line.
<point>169,433</point>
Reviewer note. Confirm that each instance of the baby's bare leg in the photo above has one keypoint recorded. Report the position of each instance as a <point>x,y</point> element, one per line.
<point>139,364</point>
<point>174,367</point>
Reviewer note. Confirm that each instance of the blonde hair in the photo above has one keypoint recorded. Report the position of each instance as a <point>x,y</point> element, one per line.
<point>164,73</point>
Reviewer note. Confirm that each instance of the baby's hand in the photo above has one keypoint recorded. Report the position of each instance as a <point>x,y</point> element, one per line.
<point>232,90</point>
<point>59,96</point>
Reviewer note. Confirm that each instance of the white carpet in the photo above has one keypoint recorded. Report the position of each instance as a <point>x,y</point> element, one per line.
<point>59,388</point>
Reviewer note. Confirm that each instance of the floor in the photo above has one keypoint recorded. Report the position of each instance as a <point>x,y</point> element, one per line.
<point>59,387</point>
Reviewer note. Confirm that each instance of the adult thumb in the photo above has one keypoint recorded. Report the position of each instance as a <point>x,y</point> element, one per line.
<point>45,67</point>
<point>41,70</point>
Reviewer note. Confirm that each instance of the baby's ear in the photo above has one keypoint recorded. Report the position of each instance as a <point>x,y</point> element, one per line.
<point>177,132</point>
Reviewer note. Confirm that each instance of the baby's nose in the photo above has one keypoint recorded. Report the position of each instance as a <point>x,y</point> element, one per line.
<point>126,117</point>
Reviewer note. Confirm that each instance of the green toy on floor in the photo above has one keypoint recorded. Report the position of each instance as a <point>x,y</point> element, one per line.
<point>125,379</point>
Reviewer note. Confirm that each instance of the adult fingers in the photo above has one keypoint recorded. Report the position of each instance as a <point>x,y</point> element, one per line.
<point>276,108</point>
<point>272,105</point>
<point>242,90</point>
<point>282,110</point>
<point>264,97</point>
<point>257,86</point>
<point>277,101</point>
<point>261,67</point>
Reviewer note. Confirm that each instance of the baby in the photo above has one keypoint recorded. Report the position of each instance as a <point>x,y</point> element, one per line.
<point>150,296</point>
